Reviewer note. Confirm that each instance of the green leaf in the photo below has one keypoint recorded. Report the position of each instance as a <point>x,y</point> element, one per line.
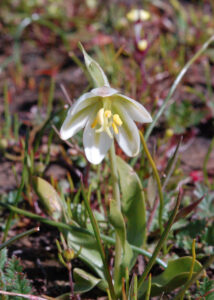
<point>66,296</point>
<point>85,282</point>
<point>95,70</point>
<point>133,207</point>
<point>49,198</point>
<point>206,288</point>
<point>151,190</point>
<point>89,252</point>
<point>175,275</point>
<point>208,237</point>
<point>131,289</point>
<point>126,261</point>
<point>133,203</point>
<point>117,221</point>
<point>76,240</point>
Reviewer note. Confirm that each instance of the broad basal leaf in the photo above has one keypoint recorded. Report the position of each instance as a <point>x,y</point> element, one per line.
<point>133,204</point>
<point>117,221</point>
<point>84,281</point>
<point>89,250</point>
<point>175,275</point>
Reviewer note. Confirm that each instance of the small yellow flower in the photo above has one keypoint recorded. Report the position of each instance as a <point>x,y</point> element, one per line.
<point>169,132</point>
<point>138,15</point>
<point>142,45</point>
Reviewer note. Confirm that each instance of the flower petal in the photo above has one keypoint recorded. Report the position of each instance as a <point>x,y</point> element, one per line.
<point>82,102</point>
<point>96,145</point>
<point>136,110</point>
<point>104,91</point>
<point>128,136</point>
<point>73,123</point>
<point>95,69</point>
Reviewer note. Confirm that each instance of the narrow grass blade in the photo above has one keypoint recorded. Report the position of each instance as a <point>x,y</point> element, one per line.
<point>61,225</point>
<point>171,165</point>
<point>30,297</point>
<point>148,292</point>
<point>192,267</point>
<point>51,96</point>
<point>195,277</point>
<point>7,226</point>
<point>7,114</point>
<point>175,84</point>
<point>18,236</point>
<point>135,287</point>
<point>156,175</point>
<point>127,281</point>
<point>161,241</point>
<point>99,242</point>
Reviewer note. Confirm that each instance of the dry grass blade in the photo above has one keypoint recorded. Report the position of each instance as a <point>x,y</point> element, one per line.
<point>30,297</point>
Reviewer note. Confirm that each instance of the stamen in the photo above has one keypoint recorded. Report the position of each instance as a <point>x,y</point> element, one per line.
<point>108,114</point>
<point>115,128</point>
<point>108,131</point>
<point>105,119</point>
<point>100,116</point>
<point>117,119</point>
<point>93,125</point>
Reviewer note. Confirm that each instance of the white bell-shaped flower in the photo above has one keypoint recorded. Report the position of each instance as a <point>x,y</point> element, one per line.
<point>104,113</point>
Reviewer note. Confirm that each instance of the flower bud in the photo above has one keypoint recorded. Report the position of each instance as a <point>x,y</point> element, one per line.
<point>69,254</point>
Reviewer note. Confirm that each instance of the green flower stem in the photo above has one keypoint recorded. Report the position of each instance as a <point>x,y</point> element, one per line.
<point>135,287</point>
<point>68,227</point>
<point>193,260</point>
<point>99,243</point>
<point>148,292</point>
<point>192,267</point>
<point>18,236</point>
<point>114,174</point>
<point>194,278</point>
<point>116,197</point>
<point>152,163</point>
<point>161,242</point>
<point>109,295</point>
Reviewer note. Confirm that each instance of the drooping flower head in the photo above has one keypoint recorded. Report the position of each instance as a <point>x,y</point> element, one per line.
<point>104,113</point>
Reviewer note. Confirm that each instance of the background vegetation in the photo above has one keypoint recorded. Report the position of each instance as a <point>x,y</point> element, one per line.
<point>40,65</point>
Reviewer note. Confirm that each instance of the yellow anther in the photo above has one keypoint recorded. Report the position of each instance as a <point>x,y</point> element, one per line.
<point>105,119</point>
<point>108,114</point>
<point>115,128</point>
<point>117,120</point>
<point>142,45</point>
